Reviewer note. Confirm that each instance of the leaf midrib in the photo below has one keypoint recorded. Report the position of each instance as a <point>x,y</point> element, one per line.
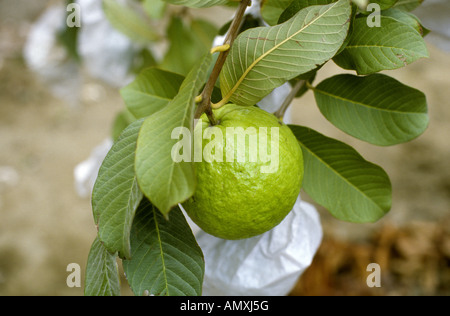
<point>365,105</point>
<point>138,26</point>
<point>172,166</point>
<point>253,64</point>
<point>341,176</point>
<point>369,46</point>
<point>167,111</point>
<point>166,282</point>
<point>149,95</point>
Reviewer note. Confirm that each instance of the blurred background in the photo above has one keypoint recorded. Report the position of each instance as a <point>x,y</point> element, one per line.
<point>54,113</point>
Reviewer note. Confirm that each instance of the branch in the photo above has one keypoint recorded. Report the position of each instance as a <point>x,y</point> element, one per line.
<point>205,97</point>
<point>295,89</point>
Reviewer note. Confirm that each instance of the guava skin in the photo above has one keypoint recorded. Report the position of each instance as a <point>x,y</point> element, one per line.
<point>235,200</point>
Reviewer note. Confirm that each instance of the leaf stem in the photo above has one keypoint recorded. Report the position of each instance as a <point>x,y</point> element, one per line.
<point>287,102</point>
<point>309,85</point>
<point>205,105</point>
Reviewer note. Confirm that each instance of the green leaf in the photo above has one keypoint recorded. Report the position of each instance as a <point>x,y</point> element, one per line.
<point>272,9</point>
<point>372,49</point>
<point>102,274</point>
<point>164,181</point>
<point>377,109</point>
<point>129,22</point>
<point>339,179</point>
<point>154,8</point>
<point>68,37</point>
<point>406,18</point>
<point>198,3</point>
<point>384,4</point>
<point>116,194</point>
<point>407,5</point>
<point>122,120</point>
<point>298,5</point>
<point>143,59</point>
<point>264,58</point>
<point>187,43</point>
<point>301,4</point>
<point>151,91</point>
<point>204,33</point>
<point>166,259</point>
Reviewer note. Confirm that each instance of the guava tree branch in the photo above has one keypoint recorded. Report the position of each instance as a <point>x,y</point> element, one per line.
<point>295,89</point>
<point>204,106</point>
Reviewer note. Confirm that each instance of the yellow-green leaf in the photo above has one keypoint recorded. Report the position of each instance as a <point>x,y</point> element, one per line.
<point>164,181</point>
<point>264,58</point>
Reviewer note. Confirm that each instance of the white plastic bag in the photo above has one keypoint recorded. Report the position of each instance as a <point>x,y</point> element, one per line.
<point>272,102</point>
<point>265,265</point>
<point>85,173</point>
<point>49,59</point>
<point>107,54</point>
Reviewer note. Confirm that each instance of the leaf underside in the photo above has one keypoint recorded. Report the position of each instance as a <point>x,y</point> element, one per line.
<point>264,58</point>
<point>116,193</point>
<point>198,3</point>
<point>373,49</point>
<point>377,108</point>
<point>151,91</point>
<point>162,180</point>
<point>166,259</point>
<point>338,178</point>
<point>102,275</point>
<point>129,22</point>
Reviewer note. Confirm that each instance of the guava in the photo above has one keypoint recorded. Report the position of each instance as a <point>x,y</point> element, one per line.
<point>250,174</point>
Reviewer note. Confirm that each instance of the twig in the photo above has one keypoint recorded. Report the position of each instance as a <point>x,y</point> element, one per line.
<point>295,89</point>
<point>205,104</point>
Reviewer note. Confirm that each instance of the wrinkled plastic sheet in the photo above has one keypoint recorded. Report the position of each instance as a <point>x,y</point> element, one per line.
<point>107,54</point>
<point>269,264</point>
<point>85,173</point>
<point>49,60</point>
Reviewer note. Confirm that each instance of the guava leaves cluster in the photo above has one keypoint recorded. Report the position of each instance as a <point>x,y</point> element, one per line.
<point>139,187</point>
